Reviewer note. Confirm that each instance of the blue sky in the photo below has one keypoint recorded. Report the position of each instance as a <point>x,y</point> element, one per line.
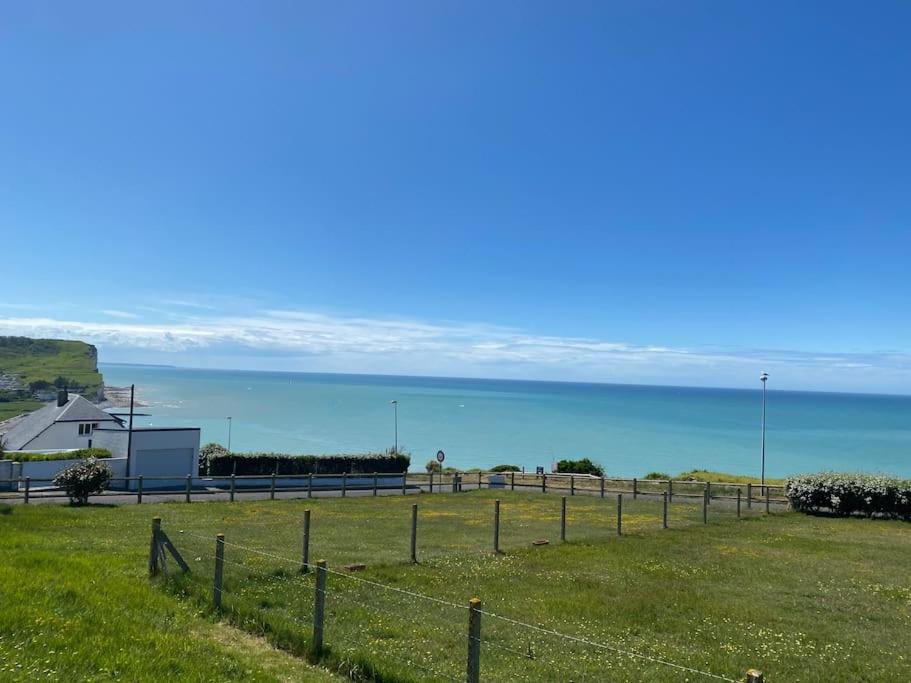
<point>682,193</point>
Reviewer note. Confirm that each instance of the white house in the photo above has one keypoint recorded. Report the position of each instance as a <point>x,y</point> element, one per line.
<point>70,422</point>
<point>73,422</point>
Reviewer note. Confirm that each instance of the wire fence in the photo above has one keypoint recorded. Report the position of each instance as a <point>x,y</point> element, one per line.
<point>375,629</point>
<point>387,629</point>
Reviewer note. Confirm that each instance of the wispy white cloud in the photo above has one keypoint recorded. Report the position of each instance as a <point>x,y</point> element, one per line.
<point>362,344</point>
<point>119,314</point>
<point>187,303</point>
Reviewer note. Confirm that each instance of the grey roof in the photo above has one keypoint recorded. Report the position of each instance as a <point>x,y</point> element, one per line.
<point>77,409</point>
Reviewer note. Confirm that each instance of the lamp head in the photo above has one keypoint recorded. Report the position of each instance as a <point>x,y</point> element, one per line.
<point>763,377</point>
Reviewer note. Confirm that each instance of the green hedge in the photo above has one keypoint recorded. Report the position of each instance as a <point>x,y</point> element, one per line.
<point>80,454</point>
<point>281,463</point>
<point>849,494</point>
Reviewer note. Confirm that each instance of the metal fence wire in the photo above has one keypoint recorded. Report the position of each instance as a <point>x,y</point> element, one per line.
<point>378,629</point>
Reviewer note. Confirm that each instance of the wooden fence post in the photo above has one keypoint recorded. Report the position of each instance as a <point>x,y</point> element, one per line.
<point>496,526</point>
<point>767,500</point>
<point>619,514</point>
<point>738,503</point>
<point>404,482</point>
<point>28,485</point>
<point>754,676</point>
<point>219,569</point>
<point>431,481</point>
<point>572,485</point>
<point>310,485</point>
<point>474,641</point>
<point>708,491</point>
<point>602,487</point>
<point>414,533</point>
<point>480,482</point>
<point>543,483</point>
<point>512,481</point>
<point>233,485</point>
<point>139,491</point>
<point>374,483</point>
<point>305,550</point>
<point>563,518</point>
<point>749,495</point>
<point>344,484</point>
<point>705,507</point>
<point>153,546</point>
<point>189,485</point>
<point>670,491</point>
<point>664,517</point>
<point>272,489</point>
<point>319,606</point>
<point>635,488</point>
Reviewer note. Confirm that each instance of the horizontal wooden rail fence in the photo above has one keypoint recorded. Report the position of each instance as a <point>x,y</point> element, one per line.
<point>140,488</point>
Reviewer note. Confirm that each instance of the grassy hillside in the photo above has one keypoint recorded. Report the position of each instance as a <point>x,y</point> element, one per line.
<point>84,611</point>
<point>36,360</point>
<point>801,598</point>
<point>10,409</point>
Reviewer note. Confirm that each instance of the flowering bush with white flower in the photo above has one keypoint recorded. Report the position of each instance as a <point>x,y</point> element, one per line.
<point>850,493</point>
<point>84,479</point>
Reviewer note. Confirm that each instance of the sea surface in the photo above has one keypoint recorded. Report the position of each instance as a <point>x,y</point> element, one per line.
<point>631,430</point>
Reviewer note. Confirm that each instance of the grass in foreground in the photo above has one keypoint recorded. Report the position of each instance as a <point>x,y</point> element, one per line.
<point>802,598</point>
<point>75,604</point>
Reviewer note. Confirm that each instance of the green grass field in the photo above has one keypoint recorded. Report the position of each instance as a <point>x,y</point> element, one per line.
<point>801,598</point>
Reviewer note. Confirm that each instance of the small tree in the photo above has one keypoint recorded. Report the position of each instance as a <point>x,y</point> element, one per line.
<point>84,479</point>
<point>207,452</point>
<point>433,467</point>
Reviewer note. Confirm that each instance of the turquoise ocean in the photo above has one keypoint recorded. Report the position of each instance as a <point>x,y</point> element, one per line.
<point>630,430</point>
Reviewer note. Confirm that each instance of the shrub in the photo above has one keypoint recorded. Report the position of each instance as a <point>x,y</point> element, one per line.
<point>83,480</point>
<point>207,452</point>
<point>584,466</point>
<point>78,454</point>
<point>850,493</point>
<point>505,468</point>
<point>657,475</point>
<point>282,463</point>
<point>433,466</point>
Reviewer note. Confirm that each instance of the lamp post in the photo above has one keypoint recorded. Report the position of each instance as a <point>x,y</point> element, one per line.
<point>395,412</point>
<point>229,433</point>
<point>763,378</point>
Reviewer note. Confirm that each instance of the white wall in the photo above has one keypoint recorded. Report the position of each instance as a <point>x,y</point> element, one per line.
<point>43,471</point>
<point>62,435</point>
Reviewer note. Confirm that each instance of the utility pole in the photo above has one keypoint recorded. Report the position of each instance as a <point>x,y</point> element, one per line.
<point>763,378</point>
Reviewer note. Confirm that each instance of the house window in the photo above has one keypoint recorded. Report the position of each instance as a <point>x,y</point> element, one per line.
<point>85,429</point>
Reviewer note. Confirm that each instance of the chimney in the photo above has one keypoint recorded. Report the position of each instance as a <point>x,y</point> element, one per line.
<point>62,397</point>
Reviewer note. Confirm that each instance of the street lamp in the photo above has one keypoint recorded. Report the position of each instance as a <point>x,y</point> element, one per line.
<point>229,433</point>
<point>763,378</point>
<point>395,409</point>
